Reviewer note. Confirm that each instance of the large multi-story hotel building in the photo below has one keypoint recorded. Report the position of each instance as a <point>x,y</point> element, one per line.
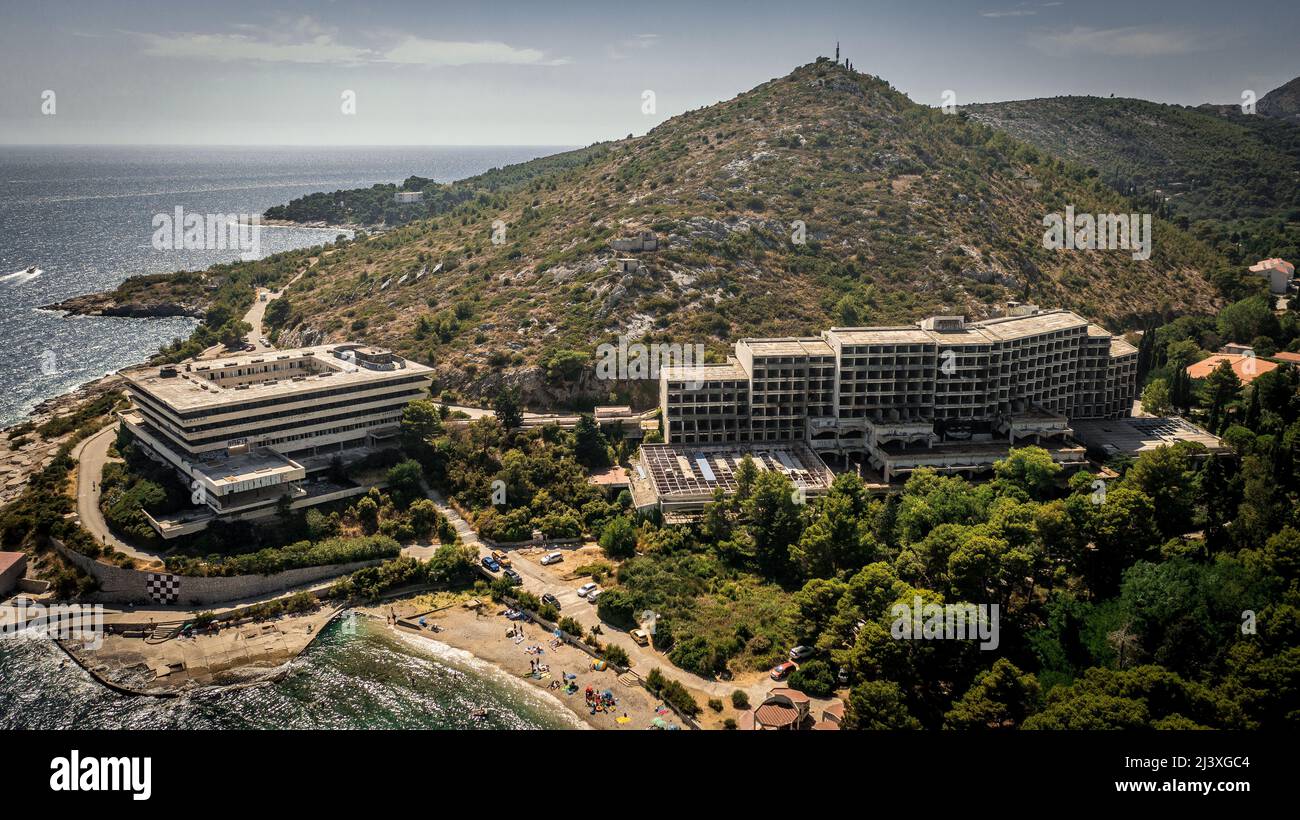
<point>943,393</point>
<point>247,430</point>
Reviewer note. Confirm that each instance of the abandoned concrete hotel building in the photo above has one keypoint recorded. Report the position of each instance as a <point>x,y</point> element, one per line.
<point>246,431</point>
<point>944,393</point>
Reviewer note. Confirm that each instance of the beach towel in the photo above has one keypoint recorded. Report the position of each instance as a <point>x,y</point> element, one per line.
<point>623,720</point>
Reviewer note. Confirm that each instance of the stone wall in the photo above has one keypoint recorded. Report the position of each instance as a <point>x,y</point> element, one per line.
<point>131,586</point>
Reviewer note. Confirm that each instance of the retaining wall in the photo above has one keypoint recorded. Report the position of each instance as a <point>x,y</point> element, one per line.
<point>119,585</point>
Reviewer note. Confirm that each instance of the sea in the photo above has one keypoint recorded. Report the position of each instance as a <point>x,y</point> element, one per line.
<point>366,677</point>
<point>83,216</point>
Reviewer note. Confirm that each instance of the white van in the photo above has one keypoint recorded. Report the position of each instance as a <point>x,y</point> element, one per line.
<point>552,558</point>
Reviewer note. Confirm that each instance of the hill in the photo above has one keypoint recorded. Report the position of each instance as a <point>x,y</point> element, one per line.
<point>1282,102</point>
<point>906,212</point>
<point>1229,178</point>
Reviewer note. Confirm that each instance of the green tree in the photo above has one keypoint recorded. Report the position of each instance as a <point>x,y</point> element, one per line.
<point>1167,475</point>
<point>813,678</point>
<point>618,539</point>
<point>1222,387</point>
<point>508,408</point>
<point>774,523</point>
<point>1157,398</point>
<point>421,424</point>
<point>1181,395</point>
<point>1000,698</point>
<point>405,482</point>
<point>590,446</point>
<point>840,535</point>
<point>1030,469</point>
<point>878,704</point>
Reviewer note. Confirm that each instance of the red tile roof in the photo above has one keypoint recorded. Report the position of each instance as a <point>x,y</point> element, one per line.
<point>8,559</point>
<point>1247,368</point>
<point>776,714</point>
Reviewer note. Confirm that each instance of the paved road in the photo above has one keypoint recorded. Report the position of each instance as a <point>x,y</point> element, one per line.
<point>254,318</point>
<point>644,658</point>
<point>258,311</point>
<point>91,455</point>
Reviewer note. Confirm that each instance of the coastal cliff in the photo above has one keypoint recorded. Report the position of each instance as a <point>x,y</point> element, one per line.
<point>107,304</point>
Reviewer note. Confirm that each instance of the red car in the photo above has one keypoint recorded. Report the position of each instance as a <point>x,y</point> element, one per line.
<point>781,670</point>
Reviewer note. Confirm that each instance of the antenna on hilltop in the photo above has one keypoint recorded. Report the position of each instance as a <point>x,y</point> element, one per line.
<point>837,51</point>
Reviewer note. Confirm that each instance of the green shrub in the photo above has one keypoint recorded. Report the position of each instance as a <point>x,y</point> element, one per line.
<point>616,655</point>
<point>813,678</point>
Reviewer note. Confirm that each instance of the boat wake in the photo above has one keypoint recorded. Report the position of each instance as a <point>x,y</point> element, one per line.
<point>22,276</point>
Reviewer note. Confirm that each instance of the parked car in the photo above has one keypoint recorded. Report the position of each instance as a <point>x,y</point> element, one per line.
<point>552,558</point>
<point>593,595</point>
<point>548,598</point>
<point>502,558</point>
<point>640,636</point>
<point>491,563</point>
<point>585,589</point>
<point>801,653</point>
<point>782,670</point>
<point>515,578</point>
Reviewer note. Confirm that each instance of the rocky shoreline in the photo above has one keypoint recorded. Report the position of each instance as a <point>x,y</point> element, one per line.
<point>22,455</point>
<point>104,304</point>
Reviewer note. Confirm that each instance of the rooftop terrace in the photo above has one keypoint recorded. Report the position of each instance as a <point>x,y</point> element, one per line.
<point>255,376</point>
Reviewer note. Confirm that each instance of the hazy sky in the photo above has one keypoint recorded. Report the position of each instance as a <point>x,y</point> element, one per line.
<point>544,73</point>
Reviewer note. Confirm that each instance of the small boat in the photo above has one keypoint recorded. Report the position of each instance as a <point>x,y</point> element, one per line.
<point>32,269</point>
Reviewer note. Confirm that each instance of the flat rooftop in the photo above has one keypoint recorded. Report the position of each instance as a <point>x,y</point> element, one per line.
<point>908,334</point>
<point>811,346</point>
<point>697,470</point>
<point>1119,347</point>
<point>1001,329</point>
<point>1007,328</point>
<point>309,369</point>
<point>1131,436</point>
<point>729,371</point>
<point>263,463</point>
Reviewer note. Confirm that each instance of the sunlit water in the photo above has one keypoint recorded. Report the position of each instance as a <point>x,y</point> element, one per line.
<point>83,216</point>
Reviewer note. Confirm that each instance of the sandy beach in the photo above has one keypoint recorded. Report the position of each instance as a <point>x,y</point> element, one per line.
<point>485,635</point>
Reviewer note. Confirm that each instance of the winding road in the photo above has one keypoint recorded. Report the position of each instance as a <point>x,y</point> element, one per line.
<point>91,455</point>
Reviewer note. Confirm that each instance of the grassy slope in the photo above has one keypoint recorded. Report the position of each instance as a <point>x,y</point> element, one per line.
<point>1231,177</point>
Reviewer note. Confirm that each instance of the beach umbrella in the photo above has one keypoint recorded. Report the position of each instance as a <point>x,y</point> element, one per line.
<point>599,666</point>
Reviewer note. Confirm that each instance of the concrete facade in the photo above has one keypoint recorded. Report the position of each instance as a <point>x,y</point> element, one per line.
<point>943,393</point>
<point>245,432</point>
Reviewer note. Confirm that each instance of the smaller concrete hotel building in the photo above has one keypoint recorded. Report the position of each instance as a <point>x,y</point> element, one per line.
<point>248,430</point>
